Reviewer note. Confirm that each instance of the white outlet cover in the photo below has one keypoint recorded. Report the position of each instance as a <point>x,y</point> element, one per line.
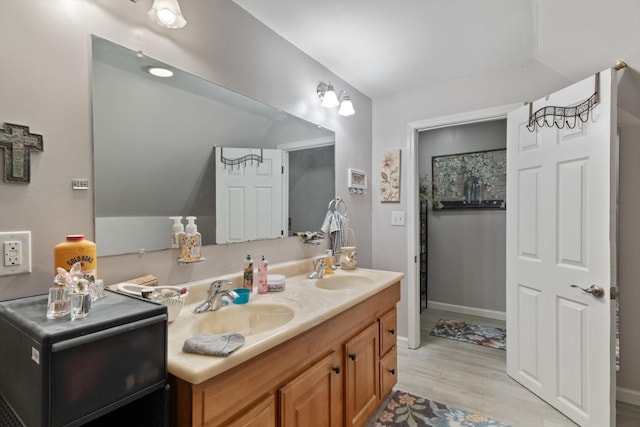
<point>24,237</point>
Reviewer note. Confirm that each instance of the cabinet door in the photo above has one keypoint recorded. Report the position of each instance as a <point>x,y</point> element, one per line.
<point>388,336</point>
<point>261,415</point>
<point>314,398</point>
<point>388,372</point>
<point>362,375</point>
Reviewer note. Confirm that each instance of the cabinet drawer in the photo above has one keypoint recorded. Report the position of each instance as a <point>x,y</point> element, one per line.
<point>388,331</point>
<point>388,372</point>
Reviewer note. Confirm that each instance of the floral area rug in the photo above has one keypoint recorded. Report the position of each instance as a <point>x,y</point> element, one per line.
<point>467,332</point>
<point>406,410</point>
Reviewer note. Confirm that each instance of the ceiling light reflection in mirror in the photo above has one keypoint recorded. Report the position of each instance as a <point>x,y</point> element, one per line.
<point>154,154</point>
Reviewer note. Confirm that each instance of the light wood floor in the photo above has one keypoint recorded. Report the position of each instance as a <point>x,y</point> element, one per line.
<point>473,377</point>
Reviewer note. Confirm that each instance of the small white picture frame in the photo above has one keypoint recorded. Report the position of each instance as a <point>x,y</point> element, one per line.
<point>357,181</point>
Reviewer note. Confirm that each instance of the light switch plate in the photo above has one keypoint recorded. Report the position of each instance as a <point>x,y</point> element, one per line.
<point>397,218</point>
<point>16,250</point>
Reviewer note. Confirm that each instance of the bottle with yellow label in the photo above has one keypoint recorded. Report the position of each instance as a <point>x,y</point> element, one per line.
<point>76,249</point>
<point>329,262</point>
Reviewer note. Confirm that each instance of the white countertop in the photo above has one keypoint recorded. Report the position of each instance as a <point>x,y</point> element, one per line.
<point>310,304</point>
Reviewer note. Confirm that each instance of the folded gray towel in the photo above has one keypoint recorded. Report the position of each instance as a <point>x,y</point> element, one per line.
<point>213,345</point>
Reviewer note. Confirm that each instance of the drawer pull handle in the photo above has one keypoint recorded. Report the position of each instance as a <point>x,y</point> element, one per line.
<point>336,369</point>
<point>392,331</point>
<point>392,371</point>
<point>352,356</point>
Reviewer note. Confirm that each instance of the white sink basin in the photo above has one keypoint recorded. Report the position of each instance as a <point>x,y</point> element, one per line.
<point>249,319</point>
<point>337,282</point>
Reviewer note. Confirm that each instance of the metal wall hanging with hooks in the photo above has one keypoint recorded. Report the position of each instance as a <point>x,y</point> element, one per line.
<point>562,117</point>
<point>240,160</point>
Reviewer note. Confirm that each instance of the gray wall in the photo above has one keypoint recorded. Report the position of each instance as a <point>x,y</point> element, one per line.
<point>466,248</point>
<point>47,85</point>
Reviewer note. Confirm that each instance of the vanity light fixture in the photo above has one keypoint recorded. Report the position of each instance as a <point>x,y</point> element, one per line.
<point>327,95</point>
<point>166,13</point>
<point>329,99</point>
<point>160,72</point>
<point>346,106</point>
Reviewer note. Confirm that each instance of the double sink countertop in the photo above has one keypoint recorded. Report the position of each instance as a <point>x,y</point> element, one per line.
<point>267,320</point>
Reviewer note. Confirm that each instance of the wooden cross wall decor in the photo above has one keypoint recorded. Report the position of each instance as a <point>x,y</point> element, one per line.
<point>18,143</point>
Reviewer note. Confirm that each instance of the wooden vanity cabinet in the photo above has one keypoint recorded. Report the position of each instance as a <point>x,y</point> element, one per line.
<point>388,351</point>
<point>309,380</point>
<point>262,414</point>
<point>362,375</point>
<point>314,397</point>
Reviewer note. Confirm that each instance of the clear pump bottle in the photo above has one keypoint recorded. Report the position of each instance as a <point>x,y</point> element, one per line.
<point>247,282</point>
<point>177,234</point>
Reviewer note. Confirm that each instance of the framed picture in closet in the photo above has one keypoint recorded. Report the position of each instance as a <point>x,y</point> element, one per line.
<point>475,180</point>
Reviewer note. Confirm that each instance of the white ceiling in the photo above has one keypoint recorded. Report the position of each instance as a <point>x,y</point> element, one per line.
<point>383,47</point>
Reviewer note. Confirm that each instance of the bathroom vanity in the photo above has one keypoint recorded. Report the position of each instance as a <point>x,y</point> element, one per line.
<point>326,355</point>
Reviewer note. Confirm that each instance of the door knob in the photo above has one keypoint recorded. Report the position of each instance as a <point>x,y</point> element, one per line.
<point>336,369</point>
<point>352,356</point>
<point>595,290</point>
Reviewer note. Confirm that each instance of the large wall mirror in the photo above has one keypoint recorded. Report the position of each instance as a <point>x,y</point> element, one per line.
<point>155,142</point>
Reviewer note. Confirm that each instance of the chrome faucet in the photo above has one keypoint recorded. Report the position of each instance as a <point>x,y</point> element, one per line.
<point>214,297</point>
<point>318,270</point>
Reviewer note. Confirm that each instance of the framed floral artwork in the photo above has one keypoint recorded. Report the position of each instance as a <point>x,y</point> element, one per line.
<point>390,176</point>
<point>476,180</point>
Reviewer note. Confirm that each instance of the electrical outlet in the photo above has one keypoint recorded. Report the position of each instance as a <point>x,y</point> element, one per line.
<point>16,249</point>
<point>397,218</point>
<point>12,253</point>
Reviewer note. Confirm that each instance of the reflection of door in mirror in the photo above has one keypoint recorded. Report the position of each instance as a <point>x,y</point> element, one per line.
<point>249,201</point>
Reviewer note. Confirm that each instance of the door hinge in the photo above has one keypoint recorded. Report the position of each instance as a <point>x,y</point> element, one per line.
<point>614,292</point>
<point>415,259</point>
<point>282,170</point>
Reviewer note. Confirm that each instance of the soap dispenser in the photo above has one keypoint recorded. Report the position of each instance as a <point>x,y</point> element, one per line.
<point>192,246</point>
<point>177,235</point>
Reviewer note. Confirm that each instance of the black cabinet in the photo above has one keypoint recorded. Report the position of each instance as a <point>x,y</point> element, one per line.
<point>70,373</point>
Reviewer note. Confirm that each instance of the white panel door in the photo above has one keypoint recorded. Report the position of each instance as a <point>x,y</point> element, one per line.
<point>249,196</point>
<point>561,232</point>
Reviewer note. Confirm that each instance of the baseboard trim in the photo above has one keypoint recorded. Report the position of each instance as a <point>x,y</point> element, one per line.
<point>628,396</point>
<point>472,311</point>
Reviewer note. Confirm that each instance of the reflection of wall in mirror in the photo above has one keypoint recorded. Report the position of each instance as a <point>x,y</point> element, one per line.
<point>311,187</point>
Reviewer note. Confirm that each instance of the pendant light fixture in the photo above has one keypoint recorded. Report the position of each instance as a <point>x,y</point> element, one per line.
<point>166,13</point>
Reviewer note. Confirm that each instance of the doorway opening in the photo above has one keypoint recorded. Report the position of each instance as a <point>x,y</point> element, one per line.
<point>465,271</point>
<point>413,203</point>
